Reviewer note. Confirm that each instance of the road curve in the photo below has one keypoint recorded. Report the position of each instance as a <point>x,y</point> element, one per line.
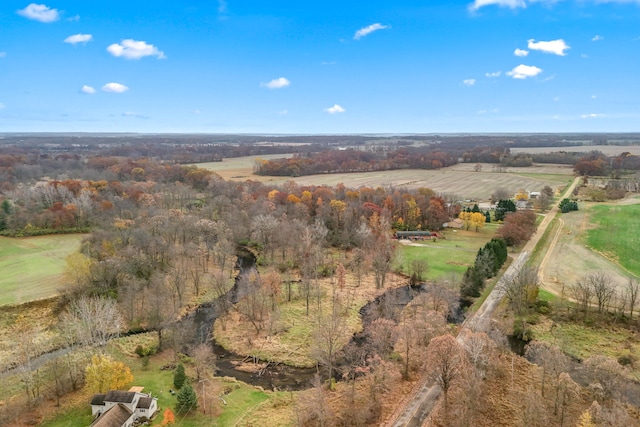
<point>426,394</point>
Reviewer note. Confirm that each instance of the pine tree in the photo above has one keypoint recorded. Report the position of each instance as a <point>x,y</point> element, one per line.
<point>179,376</point>
<point>186,399</point>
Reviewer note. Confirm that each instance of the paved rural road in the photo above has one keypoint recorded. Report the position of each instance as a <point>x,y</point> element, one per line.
<point>426,396</point>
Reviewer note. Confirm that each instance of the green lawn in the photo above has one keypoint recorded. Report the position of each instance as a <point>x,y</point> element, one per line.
<point>453,254</point>
<point>617,234</point>
<point>31,268</point>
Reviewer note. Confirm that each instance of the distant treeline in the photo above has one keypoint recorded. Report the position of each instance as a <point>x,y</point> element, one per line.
<point>341,161</point>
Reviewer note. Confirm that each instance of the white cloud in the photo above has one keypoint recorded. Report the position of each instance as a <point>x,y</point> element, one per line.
<point>477,4</point>
<point>591,116</point>
<point>521,52</point>
<point>557,47</point>
<point>88,90</point>
<point>523,71</point>
<point>494,74</point>
<point>222,6</point>
<point>368,30</point>
<point>593,97</point>
<point>79,38</point>
<point>584,56</point>
<point>283,112</point>
<point>335,109</point>
<point>114,88</point>
<point>278,83</point>
<point>74,18</point>
<point>134,49</point>
<point>40,12</point>
<point>469,82</point>
<point>597,38</point>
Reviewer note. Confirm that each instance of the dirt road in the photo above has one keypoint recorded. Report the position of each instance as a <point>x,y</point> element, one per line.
<point>426,395</point>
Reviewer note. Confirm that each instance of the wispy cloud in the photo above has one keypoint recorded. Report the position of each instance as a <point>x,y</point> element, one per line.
<point>88,90</point>
<point>114,88</point>
<point>335,109</point>
<point>368,30</point>
<point>79,38</point>
<point>524,71</point>
<point>591,116</point>
<point>494,74</point>
<point>557,47</point>
<point>3,54</point>
<point>134,49</point>
<point>134,115</point>
<point>521,52</point>
<point>469,82</point>
<point>222,6</point>
<point>597,38</point>
<point>39,12</point>
<point>328,62</point>
<point>75,18</point>
<point>278,83</point>
<point>513,4</point>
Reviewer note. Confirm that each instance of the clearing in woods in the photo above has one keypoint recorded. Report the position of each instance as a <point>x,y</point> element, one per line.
<point>460,179</point>
<point>32,267</point>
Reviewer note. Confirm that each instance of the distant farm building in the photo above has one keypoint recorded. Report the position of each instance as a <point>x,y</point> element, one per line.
<point>417,235</point>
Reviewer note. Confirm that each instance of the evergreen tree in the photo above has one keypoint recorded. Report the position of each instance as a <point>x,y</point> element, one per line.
<point>179,376</point>
<point>488,217</point>
<point>186,399</point>
<point>503,207</point>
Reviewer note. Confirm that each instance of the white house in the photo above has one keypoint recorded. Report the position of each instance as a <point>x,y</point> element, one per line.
<point>120,408</point>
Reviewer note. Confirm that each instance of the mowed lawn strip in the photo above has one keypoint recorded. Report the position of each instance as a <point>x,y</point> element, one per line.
<point>617,235</point>
<point>32,267</point>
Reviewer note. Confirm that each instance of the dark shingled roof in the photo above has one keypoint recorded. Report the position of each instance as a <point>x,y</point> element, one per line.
<point>120,396</point>
<point>98,399</point>
<point>145,402</point>
<point>113,417</point>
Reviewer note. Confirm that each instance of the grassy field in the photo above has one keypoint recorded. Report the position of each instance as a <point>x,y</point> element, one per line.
<point>617,235</point>
<point>32,267</point>
<point>609,150</point>
<point>445,257</point>
<point>459,179</point>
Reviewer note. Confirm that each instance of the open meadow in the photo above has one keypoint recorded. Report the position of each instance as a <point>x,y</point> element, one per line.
<point>460,179</point>
<point>447,259</point>
<point>32,267</point>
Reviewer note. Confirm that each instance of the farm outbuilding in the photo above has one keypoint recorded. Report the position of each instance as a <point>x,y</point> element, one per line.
<point>416,235</point>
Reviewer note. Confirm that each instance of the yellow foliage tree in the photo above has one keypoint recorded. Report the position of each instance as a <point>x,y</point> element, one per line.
<point>104,374</point>
<point>466,219</point>
<point>78,269</point>
<point>292,198</point>
<point>586,420</point>
<point>273,194</point>
<point>477,220</point>
<point>522,195</point>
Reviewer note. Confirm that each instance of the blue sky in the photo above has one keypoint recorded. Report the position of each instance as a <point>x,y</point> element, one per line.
<point>320,67</point>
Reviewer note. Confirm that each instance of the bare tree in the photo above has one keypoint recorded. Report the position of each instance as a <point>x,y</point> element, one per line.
<point>329,334</point>
<point>447,363</point>
<point>549,357</point>
<point>93,320</point>
<point>521,289</point>
<point>606,375</point>
<point>631,292</point>
<point>582,292</point>
<point>603,289</point>
<point>568,390</point>
<point>417,269</point>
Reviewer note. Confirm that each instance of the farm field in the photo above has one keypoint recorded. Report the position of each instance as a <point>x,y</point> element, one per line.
<point>597,238</point>
<point>459,179</point>
<point>609,150</point>
<point>32,267</point>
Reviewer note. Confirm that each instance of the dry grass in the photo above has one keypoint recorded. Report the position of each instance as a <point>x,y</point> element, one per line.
<point>609,150</point>
<point>291,336</point>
